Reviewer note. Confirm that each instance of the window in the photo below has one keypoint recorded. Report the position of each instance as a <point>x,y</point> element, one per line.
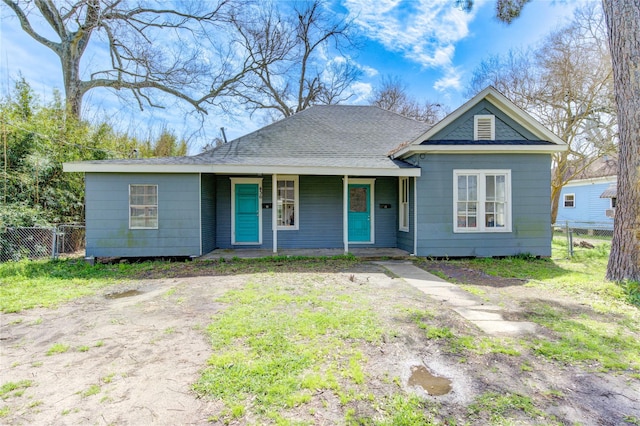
<point>143,206</point>
<point>569,200</point>
<point>403,204</point>
<point>484,127</point>
<point>482,200</point>
<point>614,202</point>
<point>287,203</point>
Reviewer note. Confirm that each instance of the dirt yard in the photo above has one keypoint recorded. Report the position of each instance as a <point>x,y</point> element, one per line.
<point>131,355</point>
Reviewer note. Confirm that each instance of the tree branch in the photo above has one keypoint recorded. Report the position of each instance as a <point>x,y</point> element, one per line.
<point>26,26</point>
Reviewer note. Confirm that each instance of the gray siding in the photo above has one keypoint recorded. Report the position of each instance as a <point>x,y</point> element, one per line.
<point>208,214</point>
<point>506,128</point>
<point>530,195</point>
<point>107,216</point>
<point>319,218</point>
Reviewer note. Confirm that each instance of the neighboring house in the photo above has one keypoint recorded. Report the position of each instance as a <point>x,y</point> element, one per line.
<point>475,184</point>
<point>589,199</point>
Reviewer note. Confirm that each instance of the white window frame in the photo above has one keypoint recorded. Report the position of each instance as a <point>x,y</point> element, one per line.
<point>403,204</point>
<point>573,201</point>
<point>482,200</point>
<point>145,206</point>
<point>296,203</point>
<point>481,117</point>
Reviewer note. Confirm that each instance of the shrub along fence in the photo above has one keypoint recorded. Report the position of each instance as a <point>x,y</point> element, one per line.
<point>18,243</point>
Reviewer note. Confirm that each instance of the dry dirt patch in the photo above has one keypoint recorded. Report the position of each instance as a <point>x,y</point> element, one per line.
<point>133,359</point>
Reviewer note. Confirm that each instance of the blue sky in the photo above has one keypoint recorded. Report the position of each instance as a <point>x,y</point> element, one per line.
<point>430,45</point>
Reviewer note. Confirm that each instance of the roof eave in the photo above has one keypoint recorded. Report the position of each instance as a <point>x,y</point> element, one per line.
<point>478,149</point>
<point>238,169</point>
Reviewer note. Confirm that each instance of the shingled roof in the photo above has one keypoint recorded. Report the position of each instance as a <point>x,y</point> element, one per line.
<point>336,137</point>
<point>601,167</point>
<point>329,135</point>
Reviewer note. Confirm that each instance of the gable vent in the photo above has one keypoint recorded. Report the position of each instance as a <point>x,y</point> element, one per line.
<point>484,127</point>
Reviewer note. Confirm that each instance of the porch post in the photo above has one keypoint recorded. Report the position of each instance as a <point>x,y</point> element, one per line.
<point>274,211</point>
<point>345,213</point>
<point>415,216</point>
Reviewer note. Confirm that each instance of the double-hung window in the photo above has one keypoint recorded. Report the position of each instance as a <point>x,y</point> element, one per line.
<point>403,204</point>
<point>287,202</point>
<point>482,200</point>
<point>143,206</point>
<point>569,200</point>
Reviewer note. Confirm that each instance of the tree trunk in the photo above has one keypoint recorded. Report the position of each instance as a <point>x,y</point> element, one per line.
<point>72,84</point>
<point>623,23</point>
<point>555,202</point>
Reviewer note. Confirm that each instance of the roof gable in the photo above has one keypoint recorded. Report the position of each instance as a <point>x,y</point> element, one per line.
<point>461,129</point>
<point>512,124</point>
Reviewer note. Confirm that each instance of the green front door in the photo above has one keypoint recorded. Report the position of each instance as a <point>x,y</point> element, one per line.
<point>247,213</point>
<point>359,212</point>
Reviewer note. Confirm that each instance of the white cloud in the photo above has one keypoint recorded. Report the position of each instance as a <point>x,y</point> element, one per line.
<point>423,31</point>
<point>362,92</point>
<point>451,80</point>
<point>368,71</point>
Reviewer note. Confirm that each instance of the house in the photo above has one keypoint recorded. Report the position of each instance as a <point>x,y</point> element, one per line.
<point>588,200</point>
<point>475,184</point>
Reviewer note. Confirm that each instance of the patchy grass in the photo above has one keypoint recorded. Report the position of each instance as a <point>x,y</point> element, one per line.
<point>47,283</point>
<point>403,410</point>
<point>603,343</point>
<point>57,348</point>
<point>285,349</point>
<point>11,389</point>
<point>601,333</point>
<point>458,342</point>
<point>277,345</point>
<point>500,409</point>
<point>582,276</point>
<point>92,390</point>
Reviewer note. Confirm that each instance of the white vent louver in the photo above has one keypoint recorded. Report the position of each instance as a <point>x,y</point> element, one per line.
<point>484,127</point>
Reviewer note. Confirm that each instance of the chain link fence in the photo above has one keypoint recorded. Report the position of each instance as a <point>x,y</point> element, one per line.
<point>40,242</point>
<point>581,237</point>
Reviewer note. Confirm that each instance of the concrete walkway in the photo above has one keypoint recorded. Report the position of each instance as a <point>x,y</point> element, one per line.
<point>487,317</point>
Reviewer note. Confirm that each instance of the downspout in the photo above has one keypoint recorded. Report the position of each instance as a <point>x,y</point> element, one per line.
<point>345,213</point>
<point>274,211</point>
<point>415,216</point>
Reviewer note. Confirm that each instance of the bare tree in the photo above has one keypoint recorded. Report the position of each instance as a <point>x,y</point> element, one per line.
<point>391,94</point>
<point>181,50</point>
<point>567,84</point>
<point>293,75</point>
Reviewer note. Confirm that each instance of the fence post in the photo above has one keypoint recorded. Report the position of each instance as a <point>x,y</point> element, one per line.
<point>569,240</point>
<point>54,243</point>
